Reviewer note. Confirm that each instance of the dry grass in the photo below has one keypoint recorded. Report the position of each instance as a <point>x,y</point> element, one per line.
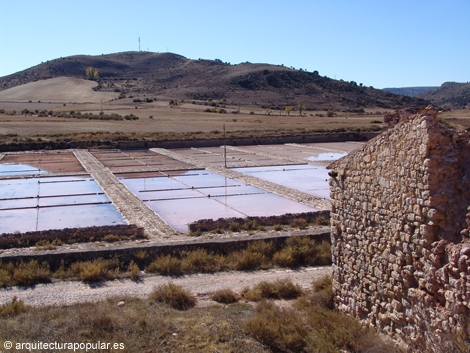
<point>14,308</point>
<point>153,325</point>
<point>322,295</point>
<point>225,296</point>
<point>301,251</point>
<point>24,273</point>
<point>299,223</point>
<point>201,261</point>
<point>282,330</point>
<point>184,122</point>
<point>280,289</point>
<point>134,271</point>
<point>166,265</point>
<point>141,325</point>
<point>312,328</point>
<point>297,251</point>
<point>96,270</point>
<point>173,295</point>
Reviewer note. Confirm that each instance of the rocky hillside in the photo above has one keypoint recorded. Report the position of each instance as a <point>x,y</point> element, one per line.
<point>451,95</point>
<point>409,91</point>
<point>171,76</point>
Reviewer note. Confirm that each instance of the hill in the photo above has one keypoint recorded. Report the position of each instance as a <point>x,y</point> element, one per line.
<point>451,95</point>
<point>409,91</point>
<point>171,76</point>
<point>59,89</point>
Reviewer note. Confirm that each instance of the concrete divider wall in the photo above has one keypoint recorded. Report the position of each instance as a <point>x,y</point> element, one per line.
<point>327,137</point>
<point>126,253</point>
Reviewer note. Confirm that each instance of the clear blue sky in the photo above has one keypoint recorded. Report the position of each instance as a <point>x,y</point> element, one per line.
<point>380,43</point>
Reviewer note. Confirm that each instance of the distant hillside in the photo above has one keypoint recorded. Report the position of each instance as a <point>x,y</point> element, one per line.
<point>409,91</point>
<point>451,95</point>
<point>171,76</point>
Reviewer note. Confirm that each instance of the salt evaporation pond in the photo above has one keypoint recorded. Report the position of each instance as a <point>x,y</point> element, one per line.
<point>19,169</point>
<point>310,179</point>
<point>332,156</point>
<point>54,203</point>
<point>183,197</point>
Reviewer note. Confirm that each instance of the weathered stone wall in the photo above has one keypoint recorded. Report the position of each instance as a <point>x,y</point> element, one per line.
<point>400,233</point>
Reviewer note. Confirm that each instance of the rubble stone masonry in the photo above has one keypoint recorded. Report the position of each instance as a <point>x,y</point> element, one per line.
<point>400,233</point>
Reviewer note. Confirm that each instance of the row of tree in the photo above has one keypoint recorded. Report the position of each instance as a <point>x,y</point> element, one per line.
<point>92,73</point>
<point>290,108</point>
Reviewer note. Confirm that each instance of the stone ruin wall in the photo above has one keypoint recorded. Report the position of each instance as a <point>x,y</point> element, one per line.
<point>400,234</point>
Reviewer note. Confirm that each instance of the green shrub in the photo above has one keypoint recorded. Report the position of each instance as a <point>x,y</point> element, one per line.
<point>277,227</point>
<point>195,233</point>
<point>141,257</point>
<point>249,260</point>
<point>173,295</point>
<point>134,271</point>
<point>312,329</point>
<point>322,295</point>
<point>29,273</point>
<point>14,308</point>
<point>284,258</point>
<point>282,330</point>
<point>166,265</point>
<point>200,260</point>
<point>96,270</point>
<point>225,296</point>
<point>234,227</point>
<point>249,225</point>
<point>6,279</point>
<point>263,247</point>
<point>302,251</point>
<point>299,223</point>
<point>326,282</point>
<point>323,253</point>
<point>280,289</point>
<point>111,238</point>
<point>322,221</point>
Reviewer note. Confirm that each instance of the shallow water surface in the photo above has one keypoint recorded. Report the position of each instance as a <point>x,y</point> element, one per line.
<point>310,179</point>
<point>53,203</point>
<point>193,195</point>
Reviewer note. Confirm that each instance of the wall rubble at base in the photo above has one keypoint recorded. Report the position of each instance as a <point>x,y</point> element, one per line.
<point>400,233</point>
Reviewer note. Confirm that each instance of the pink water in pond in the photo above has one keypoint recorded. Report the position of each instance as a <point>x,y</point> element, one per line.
<point>54,203</point>
<point>310,179</point>
<point>193,195</point>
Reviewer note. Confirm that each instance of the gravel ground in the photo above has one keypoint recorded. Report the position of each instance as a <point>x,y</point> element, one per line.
<point>69,292</point>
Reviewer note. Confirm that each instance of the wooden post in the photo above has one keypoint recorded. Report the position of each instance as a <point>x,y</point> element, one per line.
<point>225,150</point>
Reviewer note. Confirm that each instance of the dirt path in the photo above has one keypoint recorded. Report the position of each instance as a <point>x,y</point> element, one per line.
<point>68,293</point>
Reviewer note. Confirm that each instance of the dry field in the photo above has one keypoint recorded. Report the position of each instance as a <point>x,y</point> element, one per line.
<point>165,115</point>
<point>57,90</point>
<point>184,118</point>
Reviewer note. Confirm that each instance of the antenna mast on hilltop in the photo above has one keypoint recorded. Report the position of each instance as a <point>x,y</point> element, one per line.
<point>139,43</point>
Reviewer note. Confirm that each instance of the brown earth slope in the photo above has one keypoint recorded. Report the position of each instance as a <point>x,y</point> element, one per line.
<point>171,76</point>
<point>451,95</point>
